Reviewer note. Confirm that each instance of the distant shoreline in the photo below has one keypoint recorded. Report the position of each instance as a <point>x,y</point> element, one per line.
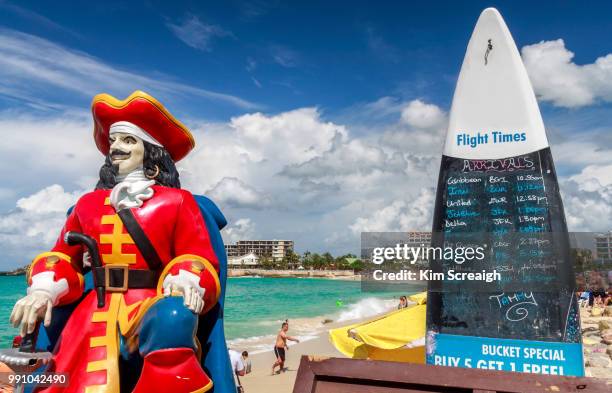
<point>17,272</point>
<point>331,274</point>
<point>275,273</point>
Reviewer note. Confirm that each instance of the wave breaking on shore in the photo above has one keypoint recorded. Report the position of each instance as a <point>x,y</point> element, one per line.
<point>306,329</point>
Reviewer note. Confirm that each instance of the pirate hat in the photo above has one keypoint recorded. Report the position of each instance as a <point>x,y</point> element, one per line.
<point>154,122</point>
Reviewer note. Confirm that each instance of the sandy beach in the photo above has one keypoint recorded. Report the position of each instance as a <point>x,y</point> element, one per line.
<point>596,336</point>
<point>260,378</point>
<point>313,333</point>
<point>314,336</point>
<point>597,341</point>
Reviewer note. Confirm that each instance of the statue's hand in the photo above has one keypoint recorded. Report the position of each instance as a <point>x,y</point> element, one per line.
<point>186,284</point>
<point>86,259</point>
<point>29,309</point>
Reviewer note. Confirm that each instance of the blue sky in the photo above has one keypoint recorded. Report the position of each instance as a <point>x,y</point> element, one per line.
<point>301,53</point>
<point>303,112</point>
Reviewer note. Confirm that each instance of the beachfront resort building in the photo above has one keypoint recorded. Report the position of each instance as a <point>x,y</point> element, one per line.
<point>275,249</point>
<point>249,260</point>
<point>603,247</point>
<point>418,239</point>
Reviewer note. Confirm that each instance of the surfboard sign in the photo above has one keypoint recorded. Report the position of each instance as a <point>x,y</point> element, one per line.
<point>498,189</point>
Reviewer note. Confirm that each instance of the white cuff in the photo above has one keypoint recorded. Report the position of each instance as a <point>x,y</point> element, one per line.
<point>44,281</point>
<point>184,279</point>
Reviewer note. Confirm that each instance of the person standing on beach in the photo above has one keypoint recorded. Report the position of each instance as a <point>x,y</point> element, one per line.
<point>281,345</point>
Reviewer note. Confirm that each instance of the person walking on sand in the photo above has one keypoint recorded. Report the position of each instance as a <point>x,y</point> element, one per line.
<point>281,345</point>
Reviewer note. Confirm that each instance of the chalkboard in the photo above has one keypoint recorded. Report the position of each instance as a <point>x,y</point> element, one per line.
<point>513,208</point>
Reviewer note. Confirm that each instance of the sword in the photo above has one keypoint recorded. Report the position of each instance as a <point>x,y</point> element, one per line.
<point>24,357</point>
<point>26,354</point>
<point>74,238</point>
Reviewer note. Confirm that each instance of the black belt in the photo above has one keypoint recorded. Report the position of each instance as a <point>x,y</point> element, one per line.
<point>121,278</point>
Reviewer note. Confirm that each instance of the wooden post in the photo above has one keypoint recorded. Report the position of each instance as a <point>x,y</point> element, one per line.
<point>334,375</point>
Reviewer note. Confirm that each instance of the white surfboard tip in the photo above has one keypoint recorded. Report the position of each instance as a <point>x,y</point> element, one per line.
<point>492,22</point>
<point>490,11</point>
<point>491,16</point>
<point>494,112</point>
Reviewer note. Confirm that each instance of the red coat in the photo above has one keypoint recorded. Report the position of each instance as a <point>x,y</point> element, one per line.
<point>172,221</point>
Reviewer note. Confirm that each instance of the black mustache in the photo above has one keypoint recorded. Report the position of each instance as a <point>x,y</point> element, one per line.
<point>119,153</point>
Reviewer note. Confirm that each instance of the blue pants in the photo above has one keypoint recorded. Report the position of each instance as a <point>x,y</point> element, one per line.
<point>167,324</point>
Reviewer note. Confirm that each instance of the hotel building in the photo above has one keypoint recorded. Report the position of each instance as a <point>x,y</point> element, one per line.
<point>275,249</point>
<point>603,247</point>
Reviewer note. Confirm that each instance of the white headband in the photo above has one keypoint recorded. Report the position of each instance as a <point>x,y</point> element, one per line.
<point>125,127</point>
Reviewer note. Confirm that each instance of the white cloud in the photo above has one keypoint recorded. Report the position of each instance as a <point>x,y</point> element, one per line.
<point>290,175</point>
<point>36,18</point>
<point>34,224</point>
<point>420,131</point>
<point>293,174</point>
<point>354,156</point>
<point>52,199</point>
<point>319,178</point>
<point>421,115</point>
<point>582,149</point>
<point>241,229</point>
<point>586,208</point>
<point>256,147</point>
<point>399,216</point>
<point>37,151</point>
<point>382,107</point>
<point>587,198</point>
<point>291,137</point>
<point>233,192</point>
<point>197,34</point>
<point>594,177</point>
<point>30,67</point>
<point>297,175</point>
<point>419,142</point>
<point>556,78</point>
<point>284,56</point>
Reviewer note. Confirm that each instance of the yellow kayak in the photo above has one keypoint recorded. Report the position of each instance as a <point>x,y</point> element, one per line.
<point>398,336</point>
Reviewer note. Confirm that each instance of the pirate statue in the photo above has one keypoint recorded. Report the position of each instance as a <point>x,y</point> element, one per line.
<point>157,270</point>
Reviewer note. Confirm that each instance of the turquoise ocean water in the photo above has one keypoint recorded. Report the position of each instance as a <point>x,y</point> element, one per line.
<point>256,306</point>
<point>12,288</point>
